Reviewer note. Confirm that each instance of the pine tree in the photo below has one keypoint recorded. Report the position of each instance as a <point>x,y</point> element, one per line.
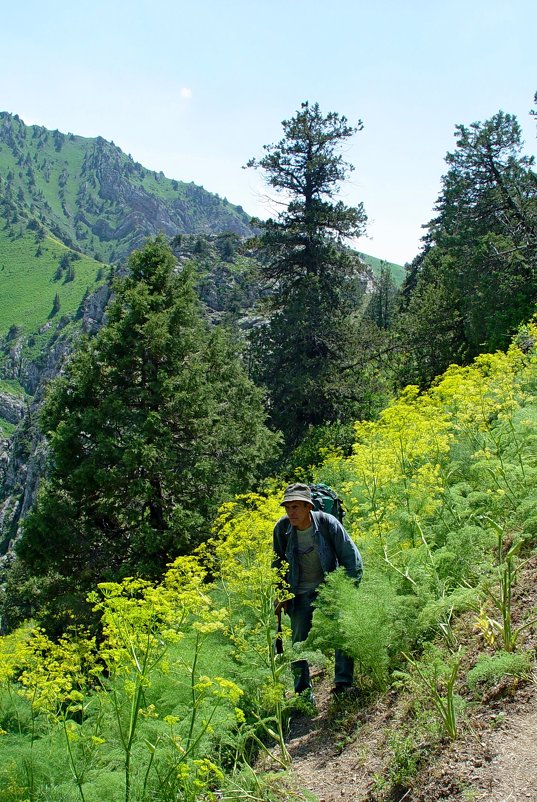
<point>475,281</point>
<point>56,305</point>
<point>311,281</point>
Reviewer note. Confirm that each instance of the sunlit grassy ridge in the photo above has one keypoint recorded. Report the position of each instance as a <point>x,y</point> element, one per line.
<point>96,198</point>
<point>397,272</point>
<point>31,277</point>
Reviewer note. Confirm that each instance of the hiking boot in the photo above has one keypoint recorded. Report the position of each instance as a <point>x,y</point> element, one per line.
<point>342,688</point>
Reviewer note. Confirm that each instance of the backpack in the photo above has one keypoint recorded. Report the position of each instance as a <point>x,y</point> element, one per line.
<point>327,500</point>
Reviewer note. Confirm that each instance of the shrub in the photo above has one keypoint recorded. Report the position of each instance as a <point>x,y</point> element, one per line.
<point>370,623</point>
<point>490,669</point>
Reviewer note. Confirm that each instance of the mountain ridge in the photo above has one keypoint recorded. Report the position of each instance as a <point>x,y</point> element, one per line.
<point>113,194</point>
<point>96,198</point>
<point>69,205</point>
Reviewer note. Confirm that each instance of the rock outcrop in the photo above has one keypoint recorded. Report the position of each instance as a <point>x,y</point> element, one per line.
<point>23,456</point>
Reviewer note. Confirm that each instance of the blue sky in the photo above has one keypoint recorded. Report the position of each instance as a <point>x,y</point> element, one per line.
<point>197,88</point>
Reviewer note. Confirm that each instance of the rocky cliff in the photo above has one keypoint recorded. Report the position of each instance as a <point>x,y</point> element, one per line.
<point>23,455</point>
<point>97,199</point>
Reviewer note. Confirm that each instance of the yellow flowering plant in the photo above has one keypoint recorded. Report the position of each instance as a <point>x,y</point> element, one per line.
<point>439,494</point>
<point>56,679</point>
<point>427,474</point>
<point>240,556</point>
<point>145,628</point>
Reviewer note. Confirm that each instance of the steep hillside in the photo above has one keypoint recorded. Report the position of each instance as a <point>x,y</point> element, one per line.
<point>397,272</point>
<point>69,204</point>
<point>95,198</point>
<point>41,279</point>
<point>365,749</point>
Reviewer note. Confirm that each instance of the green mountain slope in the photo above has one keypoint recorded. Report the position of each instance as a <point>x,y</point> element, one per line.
<point>397,272</point>
<point>68,202</point>
<point>95,198</point>
<point>69,205</point>
<point>36,270</point>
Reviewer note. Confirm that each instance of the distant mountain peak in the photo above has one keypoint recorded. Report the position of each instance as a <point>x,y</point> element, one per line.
<point>97,199</point>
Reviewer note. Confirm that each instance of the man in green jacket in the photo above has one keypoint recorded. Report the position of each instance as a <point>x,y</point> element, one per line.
<point>312,544</point>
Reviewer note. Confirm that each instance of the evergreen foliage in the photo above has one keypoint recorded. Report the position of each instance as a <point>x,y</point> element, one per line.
<point>152,426</point>
<point>382,306</point>
<point>305,345</point>
<point>475,281</point>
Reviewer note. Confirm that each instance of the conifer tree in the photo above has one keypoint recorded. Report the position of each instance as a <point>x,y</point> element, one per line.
<point>152,426</point>
<point>475,281</point>
<point>56,305</point>
<point>312,282</point>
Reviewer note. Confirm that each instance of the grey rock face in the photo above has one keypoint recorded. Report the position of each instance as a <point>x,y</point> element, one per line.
<point>23,456</point>
<point>12,408</point>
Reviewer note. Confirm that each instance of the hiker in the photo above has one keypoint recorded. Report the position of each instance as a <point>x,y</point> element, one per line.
<point>313,544</point>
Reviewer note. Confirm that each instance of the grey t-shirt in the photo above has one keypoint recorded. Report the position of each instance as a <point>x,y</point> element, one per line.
<point>311,572</point>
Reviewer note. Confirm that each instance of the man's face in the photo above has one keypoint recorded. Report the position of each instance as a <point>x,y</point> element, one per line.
<point>298,513</point>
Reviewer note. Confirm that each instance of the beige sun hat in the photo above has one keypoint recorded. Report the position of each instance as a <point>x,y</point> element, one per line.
<point>297,492</point>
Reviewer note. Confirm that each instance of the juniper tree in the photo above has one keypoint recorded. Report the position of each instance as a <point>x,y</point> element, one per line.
<point>152,426</point>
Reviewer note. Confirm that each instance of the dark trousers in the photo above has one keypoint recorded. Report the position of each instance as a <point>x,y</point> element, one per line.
<point>300,611</point>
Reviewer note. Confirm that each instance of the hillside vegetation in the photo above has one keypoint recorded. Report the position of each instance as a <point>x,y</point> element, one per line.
<point>184,689</point>
<point>397,272</point>
<point>36,269</point>
<point>70,205</point>
<point>95,198</point>
<point>137,660</point>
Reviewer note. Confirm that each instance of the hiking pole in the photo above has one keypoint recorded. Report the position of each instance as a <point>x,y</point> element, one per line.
<point>278,643</point>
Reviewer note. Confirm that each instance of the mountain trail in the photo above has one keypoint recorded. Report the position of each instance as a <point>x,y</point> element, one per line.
<point>337,753</point>
<point>346,751</point>
<point>343,753</point>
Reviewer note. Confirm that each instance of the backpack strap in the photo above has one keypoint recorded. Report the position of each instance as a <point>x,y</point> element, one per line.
<point>325,526</point>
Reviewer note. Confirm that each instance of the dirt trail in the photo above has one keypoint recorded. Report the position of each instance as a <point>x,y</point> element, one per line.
<point>339,755</point>
<point>324,763</point>
<point>343,753</point>
<point>511,773</point>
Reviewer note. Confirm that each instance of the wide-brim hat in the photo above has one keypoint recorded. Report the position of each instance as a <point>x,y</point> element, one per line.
<point>297,492</point>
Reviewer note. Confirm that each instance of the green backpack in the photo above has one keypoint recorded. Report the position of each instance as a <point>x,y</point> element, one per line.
<point>327,500</point>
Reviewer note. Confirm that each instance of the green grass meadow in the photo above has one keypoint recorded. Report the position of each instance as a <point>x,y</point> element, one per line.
<point>28,282</point>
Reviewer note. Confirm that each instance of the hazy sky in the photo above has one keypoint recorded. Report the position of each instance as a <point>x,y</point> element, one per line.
<point>195,88</point>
